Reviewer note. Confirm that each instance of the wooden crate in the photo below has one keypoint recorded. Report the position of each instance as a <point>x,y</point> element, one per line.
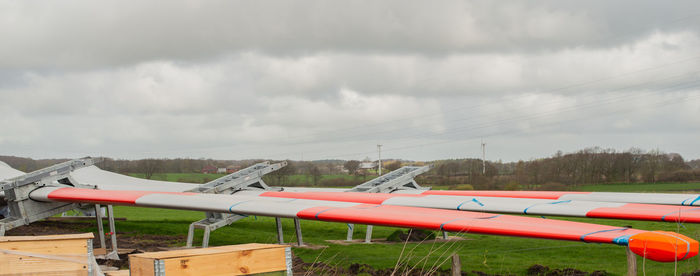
<point>239,259</point>
<point>45,255</point>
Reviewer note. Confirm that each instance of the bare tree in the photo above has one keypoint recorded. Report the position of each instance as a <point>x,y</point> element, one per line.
<point>393,166</point>
<point>281,176</point>
<point>150,166</point>
<point>352,166</point>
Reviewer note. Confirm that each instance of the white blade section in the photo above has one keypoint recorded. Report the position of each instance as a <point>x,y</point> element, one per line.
<point>7,172</point>
<point>105,180</point>
<point>503,205</point>
<point>249,205</point>
<point>647,198</point>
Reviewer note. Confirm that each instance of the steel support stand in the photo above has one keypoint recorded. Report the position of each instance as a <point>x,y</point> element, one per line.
<point>100,227</point>
<point>297,227</point>
<point>444,235</point>
<point>280,234</point>
<point>351,227</point>
<point>205,241</point>
<point>190,235</point>
<point>113,234</point>
<point>212,222</point>
<point>368,235</point>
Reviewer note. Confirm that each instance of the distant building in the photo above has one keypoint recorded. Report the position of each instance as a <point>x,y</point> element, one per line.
<point>232,169</point>
<point>210,169</point>
<point>367,164</point>
<point>220,170</point>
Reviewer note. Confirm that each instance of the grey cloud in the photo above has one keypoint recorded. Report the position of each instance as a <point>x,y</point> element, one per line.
<point>84,34</point>
<point>324,79</point>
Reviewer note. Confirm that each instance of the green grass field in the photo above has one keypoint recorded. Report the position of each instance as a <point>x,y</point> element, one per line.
<point>643,187</point>
<point>182,177</point>
<point>490,254</point>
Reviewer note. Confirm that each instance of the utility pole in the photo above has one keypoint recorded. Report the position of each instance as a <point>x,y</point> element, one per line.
<point>483,157</point>
<point>379,153</point>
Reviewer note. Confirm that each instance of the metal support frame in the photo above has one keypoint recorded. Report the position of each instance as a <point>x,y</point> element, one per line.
<point>280,234</point>
<point>297,227</point>
<point>114,253</point>
<point>400,179</point>
<point>112,234</point>
<point>100,227</point>
<point>212,222</point>
<point>249,178</point>
<point>23,210</point>
<point>368,235</point>
<point>351,229</point>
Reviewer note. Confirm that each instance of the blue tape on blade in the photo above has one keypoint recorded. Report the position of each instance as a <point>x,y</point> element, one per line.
<point>231,207</point>
<point>469,201</point>
<point>583,237</point>
<point>696,199</point>
<point>622,240</point>
<point>556,202</point>
<point>326,211</point>
<point>663,218</point>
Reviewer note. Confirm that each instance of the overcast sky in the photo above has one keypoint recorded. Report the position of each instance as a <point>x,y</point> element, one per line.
<point>332,79</point>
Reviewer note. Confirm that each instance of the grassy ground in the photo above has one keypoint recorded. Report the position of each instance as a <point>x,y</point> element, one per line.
<point>642,187</point>
<point>182,177</point>
<point>490,254</point>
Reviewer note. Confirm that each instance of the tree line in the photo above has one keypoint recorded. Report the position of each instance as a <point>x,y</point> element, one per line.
<point>560,171</point>
<point>588,166</point>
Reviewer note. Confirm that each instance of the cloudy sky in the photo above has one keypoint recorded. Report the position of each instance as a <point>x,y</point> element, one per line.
<point>332,79</point>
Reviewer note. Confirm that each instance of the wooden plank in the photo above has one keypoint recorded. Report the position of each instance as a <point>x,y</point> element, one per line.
<point>208,250</point>
<point>233,263</point>
<point>99,251</point>
<point>55,247</point>
<point>117,273</point>
<point>140,266</point>
<point>631,263</point>
<point>47,237</point>
<point>456,265</point>
<point>223,260</point>
<point>11,264</point>
<point>70,252</point>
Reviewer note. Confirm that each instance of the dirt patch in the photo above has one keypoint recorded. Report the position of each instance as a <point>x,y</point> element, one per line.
<point>148,242</point>
<point>540,270</point>
<point>142,242</point>
<point>320,268</point>
<point>40,228</point>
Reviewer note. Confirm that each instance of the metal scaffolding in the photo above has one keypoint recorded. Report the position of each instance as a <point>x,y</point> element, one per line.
<point>397,180</point>
<point>246,179</point>
<point>22,210</point>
